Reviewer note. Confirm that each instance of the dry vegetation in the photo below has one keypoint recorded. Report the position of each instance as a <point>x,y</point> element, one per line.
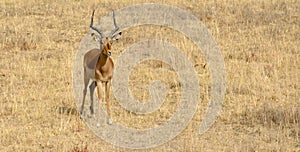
<point>259,41</point>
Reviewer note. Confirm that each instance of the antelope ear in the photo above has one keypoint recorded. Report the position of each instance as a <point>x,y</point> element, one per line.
<point>117,36</point>
<point>96,38</point>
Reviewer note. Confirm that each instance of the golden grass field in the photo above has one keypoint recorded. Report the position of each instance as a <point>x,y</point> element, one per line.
<point>258,39</point>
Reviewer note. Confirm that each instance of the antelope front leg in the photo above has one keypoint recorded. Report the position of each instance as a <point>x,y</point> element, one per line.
<point>99,90</point>
<point>107,91</point>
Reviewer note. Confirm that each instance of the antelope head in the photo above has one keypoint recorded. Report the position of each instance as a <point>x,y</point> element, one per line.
<point>106,41</point>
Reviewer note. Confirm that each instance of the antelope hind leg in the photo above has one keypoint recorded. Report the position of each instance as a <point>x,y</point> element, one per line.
<point>92,89</point>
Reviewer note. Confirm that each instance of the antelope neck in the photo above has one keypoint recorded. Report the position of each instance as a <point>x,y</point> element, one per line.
<point>104,54</point>
<point>102,58</point>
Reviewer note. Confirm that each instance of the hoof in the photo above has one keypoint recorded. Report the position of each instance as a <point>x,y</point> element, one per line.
<point>109,121</point>
<point>92,110</point>
<point>81,115</point>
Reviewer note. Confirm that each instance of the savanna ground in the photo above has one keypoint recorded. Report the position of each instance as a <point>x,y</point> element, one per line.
<point>258,39</point>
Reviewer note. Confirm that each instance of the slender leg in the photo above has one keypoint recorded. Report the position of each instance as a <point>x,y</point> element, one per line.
<point>92,89</point>
<point>99,90</point>
<point>86,82</point>
<point>107,91</point>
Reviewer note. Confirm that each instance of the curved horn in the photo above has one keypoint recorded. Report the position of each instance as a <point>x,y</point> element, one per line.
<point>94,28</point>
<point>116,26</point>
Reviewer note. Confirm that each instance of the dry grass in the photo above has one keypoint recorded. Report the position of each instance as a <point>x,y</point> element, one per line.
<point>259,41</point>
